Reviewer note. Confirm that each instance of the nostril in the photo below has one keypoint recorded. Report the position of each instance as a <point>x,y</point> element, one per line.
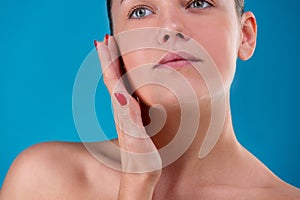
<point>180,35</point>
<point>166,38</point>
<point>167,34</point>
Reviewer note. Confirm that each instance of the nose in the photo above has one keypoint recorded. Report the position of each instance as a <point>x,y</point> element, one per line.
<point>171,27</point>
<point>168,34</point>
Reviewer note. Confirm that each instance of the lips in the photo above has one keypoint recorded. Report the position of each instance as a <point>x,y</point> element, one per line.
<point>177,60</point>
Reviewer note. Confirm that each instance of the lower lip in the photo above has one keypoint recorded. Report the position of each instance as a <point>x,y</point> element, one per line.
<point>175,64</point>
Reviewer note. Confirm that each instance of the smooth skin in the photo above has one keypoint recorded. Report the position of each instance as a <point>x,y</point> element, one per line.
<point>68,171</point>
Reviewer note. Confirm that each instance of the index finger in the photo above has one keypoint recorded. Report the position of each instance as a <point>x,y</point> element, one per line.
<point>108,56</point>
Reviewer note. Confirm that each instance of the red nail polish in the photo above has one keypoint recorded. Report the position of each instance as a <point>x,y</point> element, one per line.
<point>95,43</point>
<point>106,39</point>
<point>121,99</point>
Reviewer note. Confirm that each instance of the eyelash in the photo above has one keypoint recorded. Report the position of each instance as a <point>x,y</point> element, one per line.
<point>193,1</point>
<point>135,8</point>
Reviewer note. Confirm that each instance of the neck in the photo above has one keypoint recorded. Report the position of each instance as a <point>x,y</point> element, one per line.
<point>225,149</point>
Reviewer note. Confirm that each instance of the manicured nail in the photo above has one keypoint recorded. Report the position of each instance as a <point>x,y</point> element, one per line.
<point>106,39</point>
<point>95,43</point>
<point>121,99</point>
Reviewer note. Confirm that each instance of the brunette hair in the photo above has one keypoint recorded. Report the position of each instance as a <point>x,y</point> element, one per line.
<point>238,3</point>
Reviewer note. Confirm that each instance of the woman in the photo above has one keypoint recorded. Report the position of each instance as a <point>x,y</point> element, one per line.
<point>216,169</point>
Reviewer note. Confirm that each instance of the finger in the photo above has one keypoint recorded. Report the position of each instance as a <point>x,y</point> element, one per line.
<point>113,81</point>
<point>115,54</point>
<point>106,50</point>
<point>110,69</point>
<point>132,134</point>
<point>128,115</point>
<point>138,152</point>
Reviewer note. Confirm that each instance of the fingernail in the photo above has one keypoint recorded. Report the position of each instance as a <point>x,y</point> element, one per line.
<point>95,43</point>
<point>106,39</point>
<point>121,99</point>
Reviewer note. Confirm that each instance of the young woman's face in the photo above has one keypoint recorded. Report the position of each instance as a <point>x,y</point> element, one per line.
<point>212,24</point>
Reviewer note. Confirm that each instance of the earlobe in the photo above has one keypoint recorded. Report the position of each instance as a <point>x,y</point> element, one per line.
<point>248,33</point>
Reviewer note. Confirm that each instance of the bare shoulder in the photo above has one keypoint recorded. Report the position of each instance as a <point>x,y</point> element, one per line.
<point>274,192</point>
<point>267,185</point>
<point>59,170</point>
<point>277,191</point>
<point>285,191</point>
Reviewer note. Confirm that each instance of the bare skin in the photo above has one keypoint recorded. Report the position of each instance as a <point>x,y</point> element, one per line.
<point>69,171</point>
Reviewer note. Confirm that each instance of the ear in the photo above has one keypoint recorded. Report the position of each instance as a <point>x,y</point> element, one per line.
<point>248,36</point>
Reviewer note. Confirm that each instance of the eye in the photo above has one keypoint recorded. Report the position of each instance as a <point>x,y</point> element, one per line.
<point>139,12</point>
<point>199,4</point>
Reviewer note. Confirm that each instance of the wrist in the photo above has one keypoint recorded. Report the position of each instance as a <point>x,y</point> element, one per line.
<point>138,186</point>
<point>145,179</point>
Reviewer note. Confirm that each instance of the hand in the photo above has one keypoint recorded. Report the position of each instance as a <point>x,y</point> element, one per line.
<point>141,162</point>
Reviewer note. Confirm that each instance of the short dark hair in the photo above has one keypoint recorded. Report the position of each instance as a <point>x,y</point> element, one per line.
<point>240,7</point>
<point>238,3</point>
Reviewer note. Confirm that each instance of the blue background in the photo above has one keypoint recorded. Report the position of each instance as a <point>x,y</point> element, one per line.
<point>43,43</point>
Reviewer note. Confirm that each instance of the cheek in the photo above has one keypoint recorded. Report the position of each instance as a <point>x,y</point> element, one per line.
<point>138,58</point>
<point>138,66</point>
<point>220,42</point>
